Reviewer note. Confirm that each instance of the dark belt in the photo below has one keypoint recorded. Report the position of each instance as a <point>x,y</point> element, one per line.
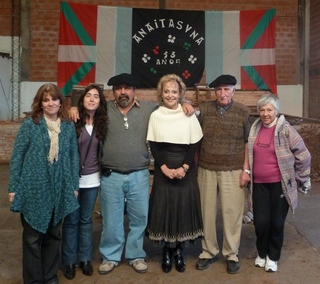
<point>107,171</point>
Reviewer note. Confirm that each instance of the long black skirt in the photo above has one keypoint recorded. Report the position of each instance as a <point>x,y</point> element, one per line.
<point>174,208</point>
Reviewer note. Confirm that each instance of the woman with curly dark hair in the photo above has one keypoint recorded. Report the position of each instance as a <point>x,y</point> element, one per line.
<point>77,227</point>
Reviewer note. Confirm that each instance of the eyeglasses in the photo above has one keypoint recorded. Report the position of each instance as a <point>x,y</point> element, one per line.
<point>126,124</point>
<point>262,145</point>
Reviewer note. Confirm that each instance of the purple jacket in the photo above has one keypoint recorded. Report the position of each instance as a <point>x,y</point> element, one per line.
<point>293,157</point>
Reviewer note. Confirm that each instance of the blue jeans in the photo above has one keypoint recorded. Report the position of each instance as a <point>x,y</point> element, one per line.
<point>77,229</point>
<point>115,188</point>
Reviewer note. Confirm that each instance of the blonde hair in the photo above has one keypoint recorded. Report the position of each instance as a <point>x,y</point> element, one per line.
<point>167,78</point>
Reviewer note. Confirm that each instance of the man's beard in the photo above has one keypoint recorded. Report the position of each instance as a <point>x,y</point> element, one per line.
<point>124,101</point>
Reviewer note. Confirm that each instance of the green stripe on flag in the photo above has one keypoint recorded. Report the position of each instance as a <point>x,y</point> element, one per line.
<point>259,29</point>
<point>76,24</point>
<point>77,77</point>
<point>255,77</point>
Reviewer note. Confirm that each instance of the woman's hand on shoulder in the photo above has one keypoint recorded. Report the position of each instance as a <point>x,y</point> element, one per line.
<point>74,114</point>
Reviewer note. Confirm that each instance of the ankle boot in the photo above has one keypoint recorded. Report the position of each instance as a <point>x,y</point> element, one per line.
<point>166,259</point>
<point>179,261</point>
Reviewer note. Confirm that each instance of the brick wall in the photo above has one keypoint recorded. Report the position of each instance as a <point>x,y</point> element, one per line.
<point>5,17</point>
<point>314,70</point>
<point>8,135</point>
<point>44,30</point>
<point>44,23</point>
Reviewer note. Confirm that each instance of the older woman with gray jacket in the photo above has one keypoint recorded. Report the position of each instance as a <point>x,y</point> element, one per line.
<point>279,163</point>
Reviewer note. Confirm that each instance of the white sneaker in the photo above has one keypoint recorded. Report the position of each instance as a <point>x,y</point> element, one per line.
<point>271,266</point>
<point>140,265</point>
<point>260,262</point>
<point>107,266</point>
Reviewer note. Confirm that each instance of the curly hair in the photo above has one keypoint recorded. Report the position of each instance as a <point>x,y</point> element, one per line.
<point>100,119</point>
<point>167,78</point>
<point>54,92</point>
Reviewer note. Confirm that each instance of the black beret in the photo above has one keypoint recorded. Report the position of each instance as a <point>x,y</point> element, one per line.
<point>223,80</point>
<point>123,78</point>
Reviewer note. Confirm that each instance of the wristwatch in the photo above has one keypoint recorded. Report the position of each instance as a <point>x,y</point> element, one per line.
<point>247,171</point>
<point>185,169</point>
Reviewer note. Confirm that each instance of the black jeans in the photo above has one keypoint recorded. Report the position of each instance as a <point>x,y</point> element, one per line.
<point>40,253</point>
<point>270,209</point>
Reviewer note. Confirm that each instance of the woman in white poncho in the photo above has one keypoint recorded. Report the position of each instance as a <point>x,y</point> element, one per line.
<point>174,210</point>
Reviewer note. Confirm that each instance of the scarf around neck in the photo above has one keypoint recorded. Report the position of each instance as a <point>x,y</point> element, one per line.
<point>54,130</point>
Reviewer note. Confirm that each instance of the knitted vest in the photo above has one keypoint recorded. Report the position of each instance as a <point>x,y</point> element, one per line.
<point>126,149</point>
<point>223,142</point>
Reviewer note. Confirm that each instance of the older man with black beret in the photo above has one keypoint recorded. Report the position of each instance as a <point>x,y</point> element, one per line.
<point>223,171</point>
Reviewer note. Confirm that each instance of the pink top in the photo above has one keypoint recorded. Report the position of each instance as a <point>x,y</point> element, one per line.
<point>265,165</point>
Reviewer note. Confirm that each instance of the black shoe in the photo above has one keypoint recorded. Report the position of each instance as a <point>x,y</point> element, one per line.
<point>179,261</point>
<point>166,259</point>
<point>86,267</point>
<point>204,263</point>
<point>53,281</point>
<point>69,271</point>
<point>233,266</point>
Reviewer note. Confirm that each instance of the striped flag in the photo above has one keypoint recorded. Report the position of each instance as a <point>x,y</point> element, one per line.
<point>242,43</point>
<point>94,44</point>
<point>97,42</point>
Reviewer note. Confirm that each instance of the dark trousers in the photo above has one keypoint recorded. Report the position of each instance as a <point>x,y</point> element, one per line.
<point>40,253</point>
<point>270,209</point>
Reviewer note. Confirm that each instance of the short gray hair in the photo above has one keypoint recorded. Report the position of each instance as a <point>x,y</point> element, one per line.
<point>269,99</point>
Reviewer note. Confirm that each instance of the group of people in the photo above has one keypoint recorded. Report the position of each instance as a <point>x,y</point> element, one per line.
<point>56,171</point>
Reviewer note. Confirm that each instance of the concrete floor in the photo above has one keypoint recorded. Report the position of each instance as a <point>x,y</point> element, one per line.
<point>300,261</point>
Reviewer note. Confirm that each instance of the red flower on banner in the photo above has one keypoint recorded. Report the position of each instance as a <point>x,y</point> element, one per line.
<point>186,74</point>
<point>156,50</point>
